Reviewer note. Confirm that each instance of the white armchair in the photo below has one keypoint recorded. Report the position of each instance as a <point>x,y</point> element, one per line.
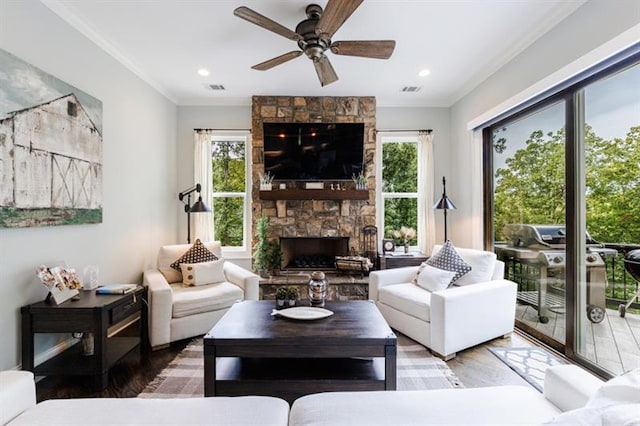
<point>177,312</point>
<point>447,321</point>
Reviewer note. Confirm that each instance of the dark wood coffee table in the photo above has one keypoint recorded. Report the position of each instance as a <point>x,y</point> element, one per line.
<point>249,352</point>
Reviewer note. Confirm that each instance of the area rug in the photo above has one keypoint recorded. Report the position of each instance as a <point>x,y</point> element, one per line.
<point>417,369</point>
<point>530,363</point>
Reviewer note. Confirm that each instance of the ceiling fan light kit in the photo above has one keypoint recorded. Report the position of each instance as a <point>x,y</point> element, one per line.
<point>313,36</point>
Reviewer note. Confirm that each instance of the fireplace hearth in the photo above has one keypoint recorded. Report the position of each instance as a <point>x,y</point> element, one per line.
<point>312,253</point>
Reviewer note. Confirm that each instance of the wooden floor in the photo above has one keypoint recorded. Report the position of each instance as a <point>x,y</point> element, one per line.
<point>613,344</point>
<point>475,367</point>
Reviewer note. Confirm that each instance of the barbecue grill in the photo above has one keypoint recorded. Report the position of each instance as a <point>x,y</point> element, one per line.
<point>632,265</point>
<point>543,248</point>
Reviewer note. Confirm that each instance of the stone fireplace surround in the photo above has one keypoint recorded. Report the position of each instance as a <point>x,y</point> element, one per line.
<point>314,218</point>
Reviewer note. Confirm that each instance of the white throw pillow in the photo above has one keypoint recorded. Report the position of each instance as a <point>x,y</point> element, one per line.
<point>194,274</point>
<point>434,279</point>
<point>621,389</point>
<point>482,265</point>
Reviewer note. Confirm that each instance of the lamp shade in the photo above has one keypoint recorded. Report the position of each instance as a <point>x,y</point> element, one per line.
<point>199,207</point>
<point>444,203</point>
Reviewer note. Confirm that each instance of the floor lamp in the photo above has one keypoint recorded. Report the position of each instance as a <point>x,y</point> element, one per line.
<point>444,204</point>
<point>197,207</point>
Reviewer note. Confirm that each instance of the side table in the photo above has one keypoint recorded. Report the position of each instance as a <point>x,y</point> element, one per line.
<point>389,261</point>
<point>104,315</point>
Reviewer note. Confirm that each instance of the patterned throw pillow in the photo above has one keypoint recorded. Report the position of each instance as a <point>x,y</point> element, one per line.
<point>198,253</point>
<point>449,260</point>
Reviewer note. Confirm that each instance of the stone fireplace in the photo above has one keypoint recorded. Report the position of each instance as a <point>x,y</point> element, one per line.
<point>333,215</point>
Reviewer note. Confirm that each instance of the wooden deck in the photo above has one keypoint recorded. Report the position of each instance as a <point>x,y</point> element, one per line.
<point>613,344</point>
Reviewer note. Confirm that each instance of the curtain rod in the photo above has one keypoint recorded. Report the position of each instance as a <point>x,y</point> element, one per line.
<point>400,130</point>
<point>223,130</point>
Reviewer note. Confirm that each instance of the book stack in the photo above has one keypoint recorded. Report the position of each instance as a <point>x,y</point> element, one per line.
<point>116,289</point>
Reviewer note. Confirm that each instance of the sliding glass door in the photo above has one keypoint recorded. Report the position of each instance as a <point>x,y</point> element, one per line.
<point>608,172</point>
<point>529,215</point>
<point>564,209</point>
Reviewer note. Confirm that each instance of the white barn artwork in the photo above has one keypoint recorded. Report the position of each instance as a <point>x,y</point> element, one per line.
<point>50,161</point>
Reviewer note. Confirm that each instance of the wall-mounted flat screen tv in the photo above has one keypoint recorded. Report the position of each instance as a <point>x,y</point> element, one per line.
<point>313,151</point>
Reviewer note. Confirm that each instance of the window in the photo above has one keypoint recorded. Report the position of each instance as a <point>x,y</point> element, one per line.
<point>231,191</point>
<point>398,201</point>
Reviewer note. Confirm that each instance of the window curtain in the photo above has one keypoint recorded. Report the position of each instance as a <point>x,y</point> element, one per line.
<point>426,214</point>
<point>203,222</point>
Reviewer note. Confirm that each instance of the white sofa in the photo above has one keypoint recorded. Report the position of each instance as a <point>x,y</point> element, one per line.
<point>453,319</point>
<point>177,312</point>
<point>570,394</point>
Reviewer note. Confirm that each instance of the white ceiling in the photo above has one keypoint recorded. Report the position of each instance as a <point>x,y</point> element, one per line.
<point>165,42</point>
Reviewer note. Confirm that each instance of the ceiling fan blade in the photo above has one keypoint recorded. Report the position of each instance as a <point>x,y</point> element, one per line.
<point>263,66</point>
<point>266,23</point>
<point>334,15</point>
<point>380,49</point>
<point>326,73</point>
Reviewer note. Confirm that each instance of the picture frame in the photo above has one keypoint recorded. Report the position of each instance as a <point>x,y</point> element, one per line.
<point>62,283</point>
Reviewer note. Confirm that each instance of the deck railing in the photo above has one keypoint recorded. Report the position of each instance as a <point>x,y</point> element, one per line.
<point>621,286</point>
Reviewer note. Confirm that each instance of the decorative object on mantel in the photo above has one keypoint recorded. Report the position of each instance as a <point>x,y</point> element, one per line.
<point>318,289</point>
<point>405,235</point>
<point>444,204</point>
<point>197,207</point>
<point>51,152</point>
<point>62,283</point>
<point>360,180</point>
<point>266,182</point>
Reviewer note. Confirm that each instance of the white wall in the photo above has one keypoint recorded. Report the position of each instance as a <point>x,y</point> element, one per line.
<point>139,187</point>
<point>590,26</point>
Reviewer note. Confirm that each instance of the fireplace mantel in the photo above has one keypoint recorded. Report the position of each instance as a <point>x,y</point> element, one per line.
<point>314,194</point>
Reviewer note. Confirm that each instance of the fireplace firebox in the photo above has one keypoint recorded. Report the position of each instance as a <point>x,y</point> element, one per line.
<point>312,253</point>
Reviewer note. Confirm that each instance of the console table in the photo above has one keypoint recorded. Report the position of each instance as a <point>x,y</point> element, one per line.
<point>104,315</point>
<point>389,261</point>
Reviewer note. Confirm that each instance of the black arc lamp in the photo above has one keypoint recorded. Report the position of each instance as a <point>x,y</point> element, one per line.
<point>444,204</point>
<point>197,207</point>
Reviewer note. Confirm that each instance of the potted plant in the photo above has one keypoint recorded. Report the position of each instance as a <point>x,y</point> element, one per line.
<point>266,181</point>
<point>286,297</point>
<point>273,260</point>
<point>261,248</point>
<point>267,254</point>
<point>360,180</point>
<point>405,235</point>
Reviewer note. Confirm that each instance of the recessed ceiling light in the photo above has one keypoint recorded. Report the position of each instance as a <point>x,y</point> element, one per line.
<point>423,73</point>
<point>203,72</point>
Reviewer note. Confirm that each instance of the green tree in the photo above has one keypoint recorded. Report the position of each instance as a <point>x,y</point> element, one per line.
<point>531,187</point>
<point>613,188</point>
<point>228,165</point>
<point>400,174</point>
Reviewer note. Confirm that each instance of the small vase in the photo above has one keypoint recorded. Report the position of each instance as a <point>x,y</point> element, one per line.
<point>87,344</point>
<point>406,248</point>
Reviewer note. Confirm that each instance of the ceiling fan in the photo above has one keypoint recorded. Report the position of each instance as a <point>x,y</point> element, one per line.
<point>313,36</point>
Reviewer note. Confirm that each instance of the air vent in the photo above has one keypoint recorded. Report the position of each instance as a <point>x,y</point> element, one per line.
<point>216,87</point>
<point>411,88</point>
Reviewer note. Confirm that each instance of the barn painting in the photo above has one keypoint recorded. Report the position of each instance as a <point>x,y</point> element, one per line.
<point>50,149</point>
